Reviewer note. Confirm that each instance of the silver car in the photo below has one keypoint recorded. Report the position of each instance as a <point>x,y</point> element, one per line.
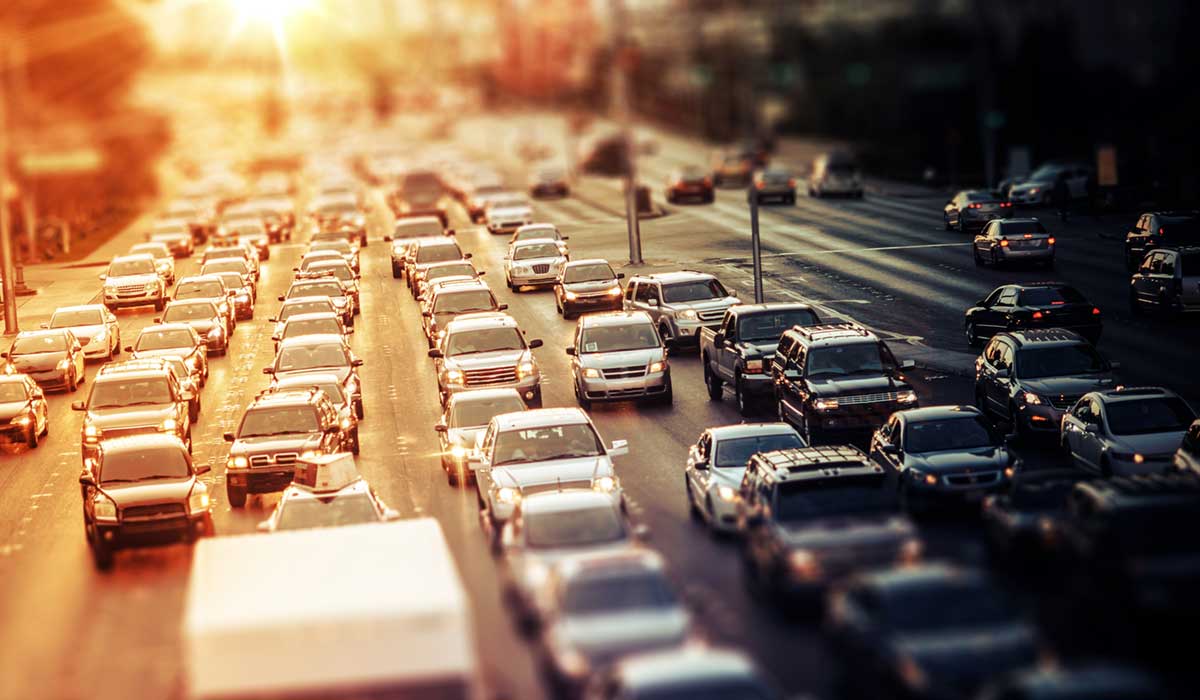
<point>1128,431</point>
<point>487,350</point>
<point>1014,240</point>
<point>533,263</point>
<point>466,416</point>
<point>617,356</point>
<point>680,303</point>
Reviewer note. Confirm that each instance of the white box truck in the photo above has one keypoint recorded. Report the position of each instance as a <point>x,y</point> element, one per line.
<point>363,611</point>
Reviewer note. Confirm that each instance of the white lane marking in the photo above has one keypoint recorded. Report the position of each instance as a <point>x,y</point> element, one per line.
<point>843,251</point>
<point>846,301</point>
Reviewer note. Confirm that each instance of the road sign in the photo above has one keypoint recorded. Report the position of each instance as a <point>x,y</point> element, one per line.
<point>1106,166</point>
<point>79,160</point>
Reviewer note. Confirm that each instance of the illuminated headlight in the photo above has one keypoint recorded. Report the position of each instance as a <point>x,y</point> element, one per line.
<point>608,484</point>
<point>168,425</point>
<point>441,334</point>
<point>223,307</point>
<point>804,564</point>
<point>1034,190</point>
<point>658,366</point>
<point>459,451</point>
<point>686,315</point>
<point>1031,398</point>
<point>191,363</point>
<point>103,507</point>
<point>906,396</point>
<point>454,376</point>
<point>536,574</point>
<point>238,462</point>
<point>198,501</point>
<point>351,386</point>
<point>526,369</point>
<point>591,373</point>
<point>726,493</point>
<point>921,477</point>
<point>309,454</point>
<point>340,302</point>
<point>25,419</point>
<point>100,335</point>
<point>215,332</point>
<point>911,551</point>
<point>508,495</point>
<point>62,365</point>
<point>360,220</point>
<point>345,423</point>
<point>825,404</point>
<point>152,286</point>
<point>614,292</point>
<point>571,296</point>
<point>754,366</point>
<point>90,433</point>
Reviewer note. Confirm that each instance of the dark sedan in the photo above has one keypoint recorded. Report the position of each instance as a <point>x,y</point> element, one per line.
<point>1016,307</point>
<point>970,210</point>
<point>689,183</point>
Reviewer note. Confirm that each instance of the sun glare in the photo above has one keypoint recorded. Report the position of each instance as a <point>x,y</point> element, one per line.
<point>273,12</point>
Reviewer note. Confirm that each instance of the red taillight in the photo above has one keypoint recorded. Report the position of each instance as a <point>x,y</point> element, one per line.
<point>1006,204</point>
<point>1050,241</point>
<point>792,182</point>
<point>1003,242</point>
<point>974,206</point>
<point>1037,315</point>
<point>759,185</point>
<point>708,182</point>
<point>1160,230</point>
<point>1095,310</point>
<point>1057,303</point>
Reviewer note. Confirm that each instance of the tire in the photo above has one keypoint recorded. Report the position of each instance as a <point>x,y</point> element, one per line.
<point>102,554</point>
<point>668,398</point>
<point>396,272</point>
<point>744,405</point>
<point>584,402</point>
<point>117,348</point>
<point>452,477</point>
<point>73,382</point>
<point>972,335</point>
<point>978,257</point>
<point>236,496</point>
<point>1135,306</point>
<point>354,446</point>
<point>946,222</point>
<point>359,409</point>
<point>159,305</point>
<point>193,413</point>
<point>693,510</point>
<point>712,383</point>
<point>668,337</point>
<point>31,440</point>
<point>809,433</point>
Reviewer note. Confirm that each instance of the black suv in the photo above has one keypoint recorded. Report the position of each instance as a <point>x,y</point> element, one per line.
<point>1160,229</point>
<point>278,428</point>
<point>1015,307</point>
<point>1028,379</point>
<point>812,515</point>
<point>837,378</point>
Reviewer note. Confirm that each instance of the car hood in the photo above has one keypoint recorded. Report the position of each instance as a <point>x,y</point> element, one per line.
<point>979,459</point>
<point>122,280</point>
<point>705,305</point>
<point>131,416</point>
<point>624,358</point>
<point>87,332</point>
<point>589,287</point>
<point>565,470</point>
<point>10,409</point>
<point>765,349</point>
<point>1076,385</point>
<point>464,436</point>
<point>728,476</point>
<point>164,352</point>
<point>37,362</point>
<point>847,386</point>
<point>962,658</point>
<point>547,260</point>
<point>149,492</point>
<point>483,360</point>
<point>340,372</point>
<point>1154,443</point>
<point>202,326</point>
<point>270,444</point>
<point>605,636</point>
<point>840,533</point>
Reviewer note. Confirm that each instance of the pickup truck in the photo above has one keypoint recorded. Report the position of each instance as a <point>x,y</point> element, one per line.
<point>738,352</point>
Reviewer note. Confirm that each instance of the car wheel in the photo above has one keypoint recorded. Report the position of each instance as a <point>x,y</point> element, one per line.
<point>972,334</point>
<point>452,476</point>
<point>1135,304</point>
<point>584,402</point>
<point>31,440</point>
<point>236,496</point>
<point>193,412</point>
<point>668,397</point>
<point>354,446</point>
<point>946,222</point>
<point>691,500</point>
<point>810,434</point>
<point>117,347</point>
<point>740,398</point>
<point>978,257</point>
<point>712,382</point>
<point>72,382</point>
<point>359,409</point>
<point>102,554</point>
<point>668,338</point>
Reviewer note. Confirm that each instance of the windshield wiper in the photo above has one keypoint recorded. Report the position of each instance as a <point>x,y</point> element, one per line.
<point>569,455</point>
<point>278,432</point>
<point>117,481</point>
<point>136,403</point>
<point>163,476</point>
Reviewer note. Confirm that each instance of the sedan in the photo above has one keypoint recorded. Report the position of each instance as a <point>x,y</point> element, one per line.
<point>464,419</point>
<point>970,210</point>
<point>178,339</point>
<point>533,263</point>
<point>1013,240</point>
<point>587,284</point>
<point>774,185</point>
<point>1123,432</point>
<point>94,326</point>
<point>24,413</point>
<point>52,358</point>
<point>204,317</point>
<point>690,183</point>
<point>1017,307</point>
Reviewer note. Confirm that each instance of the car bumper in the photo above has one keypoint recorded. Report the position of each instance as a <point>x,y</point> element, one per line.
<point>1027,197</point>
<point>1010,255</point>
<point>597,301</point>
<point>689,329</point>
<point>506,226</point>
<point>864,417</point>
<point>262,479</point>
<point>776,194</point>
<point>921,496</point>
<point>121,300</point>
<point>560,189</point>
<point>530,388</point>
<point>722,513</point>
<point>533,279</point>
<point>758,384</point>
<point>14,431</point>
<point>53,379</point>
<point>601,389</point>
<point>685,192</point>
<point>96,348</point>
<point>149,532</point>
<point>1040,418</point>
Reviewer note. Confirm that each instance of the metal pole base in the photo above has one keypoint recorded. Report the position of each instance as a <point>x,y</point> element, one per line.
<point>19,286</point>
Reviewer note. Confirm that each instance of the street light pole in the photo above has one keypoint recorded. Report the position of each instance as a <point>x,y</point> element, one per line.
<point>755,243</point>
<point>621,81</point>
<point>6,256</point>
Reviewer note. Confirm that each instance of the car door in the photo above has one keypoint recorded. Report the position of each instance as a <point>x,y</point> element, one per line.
<point>698,478</point>
<point>483,475</point>
<point>1002,386</point>
<point>991,318</point>
<point>1165,277</point>
<point>983,242</point>
<point>629,301</point>
<point>1085,439</point>
<point>792,376</point>
<point>1187,271</point>
<point>1142,282</point>
<point>953,210</point>
<point>75,352</point>
<point>986,378</point>
<point>726,356</point>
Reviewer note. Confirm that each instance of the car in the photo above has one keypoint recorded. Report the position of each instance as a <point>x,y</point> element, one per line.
<point>943,456</point>
<point>774,184</point>
<point>192,215</point>
<point>1187,457</point>
<point>318,256</point>
<point>1028,379</point>
<point>407,230</point>
<point>539,450</point>
<point>248,231</point>
<point>618,356</point>
<point>212,288</point>
<point>336,495</point>
<point>24,413</point>
<point>587,284</point>
<point>464,418</point>
<point>587,595</point>
<point>324,286</point>
<point>738,352</point>
<point>487,350</point>
<point>1160,229</point>
<point>549,181</point>
<point>690,182</point>
<point>204,317</point>
<point>188,382</point>
<point>428,251</point>
<point>693,671</point>
<point>530,232</point>
<point>319,323</point>
<point>341,271</point>
<point>1004,241</point>
<point>348,252</point>
<point>715,464</point>
<point>276,430</point>
<point>302,305</point>
<point>175,235</point>
<point>142,490</point>
<point>434,271</point>
<point>444,302</point>
<point>480,197</point>
<point>1106,679</point>
<point>241,296</point>
<point>133,280</point>
<point>681,303</point>
<point>1126,431</point>
<point>320,354</point>
<point>1033,305</point>
<point>971,210</point>
<point>731,168</point>
<point>809,517</point>
<point>419,193</point>
<point>232,248</point>
<point>52,358</point>
<point>134,401</point>
<point>164,259</point>
<point>929,631</point>
<point>238,265</point>
<point>336,211</point>
<point>1038,187</point>
<point>94,326</point>
<point>1022,525</point>
<point>837,379</point>
<point>178,339</point>
<point>1168,281</point>
<point>507,213</point>
<point>335,391</point>
<point>836,173</point>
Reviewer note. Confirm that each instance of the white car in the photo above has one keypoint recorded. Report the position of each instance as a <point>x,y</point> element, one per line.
<point>164,260</point>
<point>533,263</point>
<point>530,232</point>
<point>507,214</point>
<point>133,280</point>
<point>94,326</point>
<point>1125,432</point>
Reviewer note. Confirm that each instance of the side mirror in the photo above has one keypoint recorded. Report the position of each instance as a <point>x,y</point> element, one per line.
<point>157,319</point>
<point>229,437</point>
<point>387,239</point>
<point>102,276</point>
<point>272,319</point>
<point>202,469</point>
<point>620,275</point>
<point>43,325</point>
<point>700,465</point>
<point>435,352</point>
<point>295,269</point>
<point>502,307</point>
<point>268,370</point>
<point>280,297</point>
<point>451,232</point>
<point>535,343</point>
<point>652,301</point>
<point>564,238</point>
<point>348,331</point>
<point>86,478</point>
<point>440,427</point>
<point>908,364</point>
<point>391,515</point>
<point>356,362</point>
<point>1004,373</point>
<point>128,348</point>
<point>4,354</point>
<point>571,351</point>
<point>718,338</point>
<point>78,406</point>
<point>618,448</point>
<point>275,338</point>
<point>331,429</point>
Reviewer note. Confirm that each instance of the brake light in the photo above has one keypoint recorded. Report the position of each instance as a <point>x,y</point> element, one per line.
<point>1029,235</point>
<point>1050,241</point>
<point>792,182</point>
<point>1037,315</point>
<point>759,185</point>
<point>708,182</point>
<point>974,206</point>
<point>1161,230</point>
<point>1006,204</point>
<point>1003,242</point>
<point>1057,303</point>
<point>1095,310</point>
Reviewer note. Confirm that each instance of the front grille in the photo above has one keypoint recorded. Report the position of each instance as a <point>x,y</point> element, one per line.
<point>129,289</point>
<point>621,393</point>
<point>281,458</point>
<point>108,433</point>
<point>493,375</point>
<point>624,372</point>
<point>867,398</point>
<point>1063,402</point>
<point>266,482</point>
<point>973,479</point>
<point>711,315</point>
<point>541,269</point>
<point>156,511</point>
<point>555,486</point>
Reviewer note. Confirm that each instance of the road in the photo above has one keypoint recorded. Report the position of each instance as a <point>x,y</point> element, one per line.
<point>69,631</point>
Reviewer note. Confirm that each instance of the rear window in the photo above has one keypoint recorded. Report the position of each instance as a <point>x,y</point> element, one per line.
<point>1181,230</point>
<point>1017,228</point>
<point>1050,296</point>
<point>438,253</point>
<point>1191,264</point>
<point>417,229</point>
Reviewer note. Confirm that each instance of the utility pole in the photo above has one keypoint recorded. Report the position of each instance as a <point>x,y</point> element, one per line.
<point>6,254</point>
<point>755,242</point>
<point>620,78</point>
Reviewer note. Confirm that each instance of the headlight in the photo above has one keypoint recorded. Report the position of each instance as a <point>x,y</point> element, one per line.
<point>90,433</point>
<point>911,550</point>
<point>215,332</point>
<point>726,493</point>
<point>441,334</point>
<point>571,296</point>
<point>25,419</point>
<point>198,501</point>
<point>191,363</point>
<point>608,484</point>
<point>1034,190</point>
<point>152,286</point>
<point>906,396</point>
<point>686,314</point>
<point>340,301</point>
<point>459,451</point>
<point>223,307</point>
<point>238,462</point>
<point>1031,398</point>
<point>168,425</point>
<point>351,386</point>
<point>508,495</point>
<point>921,477</point>
<point>657,366</point>
<point>804,564</point>
<point>754,366</point>
<point>526,368</point>
<point>359,220</point>
<point>825,404</point>
<point>615,291</point>
<point>454,376</point>
<point>591,373</point>
<point>99,335</point>
<point>345,423</point>
<point>62,365</point>
<point>103,507</point>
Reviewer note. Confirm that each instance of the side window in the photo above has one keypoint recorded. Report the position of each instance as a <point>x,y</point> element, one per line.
<point>643,292</point>
<point>796,358</point>
<point>730,327</point>
<point>781,353</point>
<point>991,352</point>
<point>1191,441</point>
<point>1006,356</point>
<point>652,292</point>
<point>1096,410</point>
<point>993,298</point>
<point>704,444</point>
<point>1008,297</point>
<point>1083,411</point>
<point>1168,264</point>
<point>1156,263</point>
<point>629,290</point>
<point>488,438</point>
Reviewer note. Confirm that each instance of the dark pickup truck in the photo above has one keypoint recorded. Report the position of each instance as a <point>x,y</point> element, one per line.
<point>739,351</point>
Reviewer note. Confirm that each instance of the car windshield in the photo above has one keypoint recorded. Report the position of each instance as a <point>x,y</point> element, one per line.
<point>151,339</point>
<point>417,229</point>
<point>228,265</point>
<point>714,689</point>
<point>777,177</point>
<point>699,290</point>
<point>343,247</point>
<point>474,412</point>
<point>437,253</point>
<point>232,280</point>
<point>298,357</point>
<point>144,464</point>
<point>595,272</point>
<point>320,256</point>
<point>1020,228</point>
<point>1036,363</point>
<point>34,344</point>
<point>508,203</point>
<point>967,433</point>
<point>464,302</point>
<point>955,604</point>
<point>317,289</point>
<point>736,452</point>
<point>845,360</point>
<point>796,501</point>
<point>157,250</point>
<point>484,340</point>
<point>233,253</point>
<point>12,391</point>
<point>981,196</point>
<point>1046,173</point>
<point>634,336</point>
<point>281,420</point>
<point>143,266</point>
<point>532,251</point>
<point>692,173</point>
<point>530,234</point>
<point>305,307</point>
<point>612,594</point>
<point>1159,414</point>
<point>768,327</point>
<point>115,393</point>
<point>207,289</point>
<point>188,312</point>
<point>304,513</point>
<point>542,444</point>
<point>342,271</point>
<point>576,527</point>
<point>459,269</point>
<point>1050,296</point>
<point>312,326</point>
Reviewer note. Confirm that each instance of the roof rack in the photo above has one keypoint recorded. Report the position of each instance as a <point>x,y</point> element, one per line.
<point>806,459</point>
<point>832,329</point>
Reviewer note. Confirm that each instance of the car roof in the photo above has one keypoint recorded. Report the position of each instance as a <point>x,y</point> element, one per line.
<point>448,263</point>
<point>677,276</point>
<point>194,301</point>
<point>208,277</point>
<point>291,396</point>
<point>686,666</point>
<point>435,241</point>
<point>112,372</point>
<point>1133,393</point>
<point>610,563</point>
<point>80,307</point>
<point>485,319</point>
<point>165,327</point>
<point>314,339</point>
<point>307,300</point>
<point>472,395</point>
<point>540,418</point>
<point>134,443</point>
<point>1046,337</point>
<point>586,261</point>
<point>307,380</point>
<point>298,492</point>
<point>565,500</point>
<point>530,242</point>
<point>614,318</point>
<point>43,333</point>
<point>744,309</point>
<point>816,463</point>
<point>899,579</point>
<point>833,333</point>
<point>1156,492</point>
<point>917,415</point>
<point>739,430</point>
<point>457,283</point>
<point>312,315</point>
<point>133,256</point>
